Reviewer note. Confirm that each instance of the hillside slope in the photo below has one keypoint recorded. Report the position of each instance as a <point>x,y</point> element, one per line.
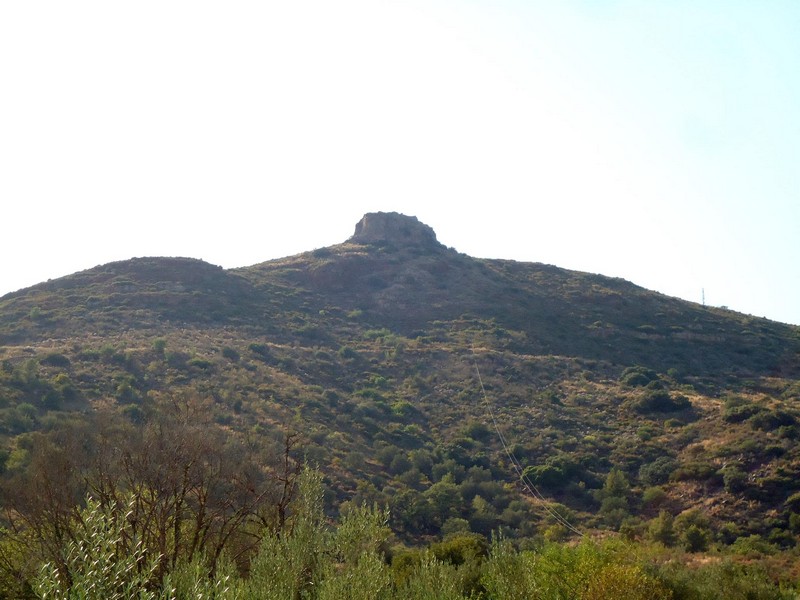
<point>370,350</point>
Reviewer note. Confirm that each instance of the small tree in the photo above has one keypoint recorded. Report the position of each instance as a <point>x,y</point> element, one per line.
<point>695,539</point>
<point>614,497</point>
<point>105,560</point>
<point>662,529</point>
<point>734,479</point>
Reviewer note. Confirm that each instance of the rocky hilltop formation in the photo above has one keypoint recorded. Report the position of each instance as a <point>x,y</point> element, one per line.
<point>393,228</point>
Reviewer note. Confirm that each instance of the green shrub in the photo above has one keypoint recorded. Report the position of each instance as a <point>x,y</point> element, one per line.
<point>260,349</point>
<point>695,470</point>
<point>638,376</point>
<point>455,525</point>
<point>193,581</point>
<point>695,539</point>
<point>769,420</point>
<point>625,581</point>
<point>105,560</point>
<point>662,529</point>
<point>734,479</point>
<point>658,471</point>
<point>589,571</point>
<point>753,546</point>
<point>549,477</point>
<point>460,548</point>
<point>660,401</point>
<point>430,579</point>
<point>404,409</point>
<point>614,498</point>
<point>231,354</point>
<point>721,580</point>
<point>654,497</point>
<point>55,359</point>
<point>348,353</point>
<point>728,533</point>
<point>647,432</point>
<point>737,409</point>
<point>477,431</point>
<point>126,394</point>
<point>199,363</point>
<point>159,346</point>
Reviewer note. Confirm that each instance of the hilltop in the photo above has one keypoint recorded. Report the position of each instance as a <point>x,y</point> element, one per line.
<point>398,275</point>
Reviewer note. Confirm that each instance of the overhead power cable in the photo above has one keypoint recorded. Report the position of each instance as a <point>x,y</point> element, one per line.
<point>516,465</point>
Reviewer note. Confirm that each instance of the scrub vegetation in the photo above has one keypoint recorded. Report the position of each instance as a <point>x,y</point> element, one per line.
<point>389,419</point>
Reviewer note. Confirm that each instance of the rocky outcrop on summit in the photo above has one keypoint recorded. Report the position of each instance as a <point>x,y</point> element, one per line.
<point>380,227</point>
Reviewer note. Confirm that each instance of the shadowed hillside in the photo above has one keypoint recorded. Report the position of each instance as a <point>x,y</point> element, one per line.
<point>395,274</point>
<point>408,281</point>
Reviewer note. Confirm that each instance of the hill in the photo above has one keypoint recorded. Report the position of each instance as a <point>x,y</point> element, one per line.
<point>368,359</point>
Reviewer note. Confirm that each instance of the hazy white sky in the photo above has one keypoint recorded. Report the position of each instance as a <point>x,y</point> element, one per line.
<point>655,141</point>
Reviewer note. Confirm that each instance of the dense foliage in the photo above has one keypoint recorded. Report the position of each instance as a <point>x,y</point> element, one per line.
<point>307,557</point>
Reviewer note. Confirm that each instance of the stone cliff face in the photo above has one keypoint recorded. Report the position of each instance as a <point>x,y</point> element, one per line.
<point>394,228</point>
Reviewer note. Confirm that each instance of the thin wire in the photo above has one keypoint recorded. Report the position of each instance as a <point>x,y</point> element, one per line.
<point>518,469</point>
